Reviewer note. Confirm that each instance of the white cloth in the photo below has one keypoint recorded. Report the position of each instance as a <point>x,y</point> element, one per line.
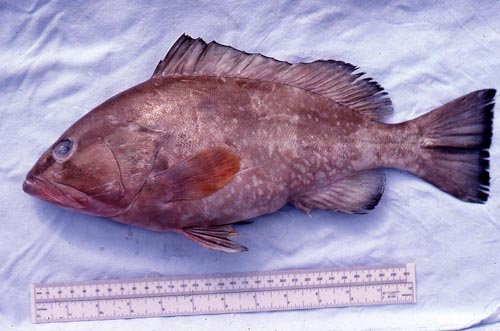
<point>59,59</point>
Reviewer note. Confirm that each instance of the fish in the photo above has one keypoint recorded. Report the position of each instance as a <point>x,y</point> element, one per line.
<point>218,136</point>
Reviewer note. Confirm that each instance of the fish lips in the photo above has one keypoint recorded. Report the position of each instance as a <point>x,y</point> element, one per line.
<point>48,191</point>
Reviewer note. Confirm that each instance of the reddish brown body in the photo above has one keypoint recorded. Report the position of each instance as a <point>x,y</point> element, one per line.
<point>206,143</point>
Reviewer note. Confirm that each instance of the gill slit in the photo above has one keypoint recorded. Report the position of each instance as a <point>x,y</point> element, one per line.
<point>118,165</point>
<point>139,190</point>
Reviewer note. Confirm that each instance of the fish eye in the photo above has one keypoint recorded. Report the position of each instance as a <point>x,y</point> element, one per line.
<point>63,149</point>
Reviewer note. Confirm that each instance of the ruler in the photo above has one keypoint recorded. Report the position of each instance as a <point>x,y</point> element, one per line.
<point>223,293</point>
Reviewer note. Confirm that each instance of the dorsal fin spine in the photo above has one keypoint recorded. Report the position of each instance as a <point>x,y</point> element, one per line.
<point>335,80</point>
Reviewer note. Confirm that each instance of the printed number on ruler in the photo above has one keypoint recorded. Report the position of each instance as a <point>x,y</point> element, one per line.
<point>223,293</point>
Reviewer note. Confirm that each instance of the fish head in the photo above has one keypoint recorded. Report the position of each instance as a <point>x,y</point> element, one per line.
<point>96,167</point>
<point>80,172</point>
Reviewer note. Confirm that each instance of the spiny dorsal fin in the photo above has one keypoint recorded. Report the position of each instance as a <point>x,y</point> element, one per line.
<point>356,194</point>
<point>335,80</point>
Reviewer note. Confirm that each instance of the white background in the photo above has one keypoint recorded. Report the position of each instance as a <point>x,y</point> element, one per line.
<point>59,59</point>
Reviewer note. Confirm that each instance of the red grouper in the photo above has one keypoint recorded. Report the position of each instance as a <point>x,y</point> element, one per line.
<point>218,136</point>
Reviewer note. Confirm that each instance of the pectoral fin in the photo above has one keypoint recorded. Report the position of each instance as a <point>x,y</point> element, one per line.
<point>197,176</point>
<point>215,237</point>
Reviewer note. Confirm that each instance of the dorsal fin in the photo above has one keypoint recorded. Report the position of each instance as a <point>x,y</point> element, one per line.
<point>336,80</point>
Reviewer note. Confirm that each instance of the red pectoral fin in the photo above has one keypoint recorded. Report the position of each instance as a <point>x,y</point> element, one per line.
<point>200,175</point>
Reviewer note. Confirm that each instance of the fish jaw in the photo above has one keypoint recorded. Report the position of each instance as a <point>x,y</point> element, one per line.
<point>68,197</point>
<point>45,190</point>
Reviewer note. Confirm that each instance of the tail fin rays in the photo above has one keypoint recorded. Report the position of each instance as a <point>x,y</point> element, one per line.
<point>454,154</point>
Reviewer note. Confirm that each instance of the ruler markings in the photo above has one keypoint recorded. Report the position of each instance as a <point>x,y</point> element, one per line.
<point>189,292</point>
<point>380,270</point>
<point>42,289</point>
<point>223,293</point>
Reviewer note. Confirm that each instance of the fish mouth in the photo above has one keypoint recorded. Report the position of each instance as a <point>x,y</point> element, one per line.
<point>45,190</point>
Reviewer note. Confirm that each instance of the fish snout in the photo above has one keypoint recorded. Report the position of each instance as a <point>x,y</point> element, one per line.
<point>45,190</point>
<point>30,185</point>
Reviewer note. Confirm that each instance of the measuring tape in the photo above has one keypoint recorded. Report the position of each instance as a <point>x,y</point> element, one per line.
<point>223,293</point>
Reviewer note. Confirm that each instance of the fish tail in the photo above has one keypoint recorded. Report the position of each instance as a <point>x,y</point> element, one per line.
<point>454,144</point>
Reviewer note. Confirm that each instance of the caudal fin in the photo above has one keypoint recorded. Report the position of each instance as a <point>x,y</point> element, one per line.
<point>454,146</point>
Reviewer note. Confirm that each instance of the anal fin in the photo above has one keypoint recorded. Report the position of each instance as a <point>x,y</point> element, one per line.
<point>356,194</point>
<point>214,237</point>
